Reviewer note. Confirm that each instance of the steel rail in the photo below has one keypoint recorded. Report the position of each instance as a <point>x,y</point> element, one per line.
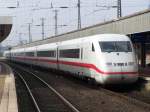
<point>74,109</point>
<point>31,95</point>
<point>127,98</point>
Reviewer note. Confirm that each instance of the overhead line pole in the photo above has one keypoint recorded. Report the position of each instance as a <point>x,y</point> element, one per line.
<point>56,20</point>
<point>29,28</point>
<point>20,39</point>
<point>79,14</point>
<point>119,9</point>
<point>42,24</point>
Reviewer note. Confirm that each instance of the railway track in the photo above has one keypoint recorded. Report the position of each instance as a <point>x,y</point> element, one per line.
<point>136,91</point>
<point>44,97</point>
<point>25,103</point>
<point>137,100</point>
<point>131,94</point>
<point>128,99</point>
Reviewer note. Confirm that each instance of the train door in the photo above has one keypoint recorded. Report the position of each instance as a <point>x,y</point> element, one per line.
<point>86,57</point>
<point>57,56</point>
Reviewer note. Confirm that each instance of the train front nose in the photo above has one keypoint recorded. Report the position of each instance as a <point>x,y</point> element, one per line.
<point>121,72</point>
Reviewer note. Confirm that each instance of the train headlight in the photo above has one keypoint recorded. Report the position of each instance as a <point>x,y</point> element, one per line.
<point>109,64</point>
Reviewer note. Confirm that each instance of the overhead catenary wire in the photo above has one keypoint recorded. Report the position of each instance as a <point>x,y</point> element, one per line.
<point>72,22</point>
<point>91,13</point>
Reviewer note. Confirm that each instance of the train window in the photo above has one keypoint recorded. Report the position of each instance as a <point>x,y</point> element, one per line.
<point>69,53</point>
<point>116,46</point>
<point>93,49</point>
<point>29,53</point>
<point>46,53</point>
<point>19,54</point>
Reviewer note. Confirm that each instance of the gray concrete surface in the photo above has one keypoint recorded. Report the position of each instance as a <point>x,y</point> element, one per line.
<point>8,98</point>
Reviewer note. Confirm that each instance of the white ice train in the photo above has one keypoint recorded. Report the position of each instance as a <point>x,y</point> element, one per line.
<point>106,58</point>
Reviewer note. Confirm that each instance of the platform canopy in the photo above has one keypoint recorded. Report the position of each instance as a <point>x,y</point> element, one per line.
<point>5,26</point>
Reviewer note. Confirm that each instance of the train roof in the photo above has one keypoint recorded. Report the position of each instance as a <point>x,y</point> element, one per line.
<point>110,37</point>
<point>17,50</point>
<point>28,49</point>
<point>46,46</point>
<point>100,37</point>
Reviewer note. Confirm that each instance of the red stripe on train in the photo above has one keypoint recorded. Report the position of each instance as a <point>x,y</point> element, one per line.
<point>84,65</point>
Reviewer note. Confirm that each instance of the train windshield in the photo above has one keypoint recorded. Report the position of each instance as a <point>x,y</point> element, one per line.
<point>115,46</point>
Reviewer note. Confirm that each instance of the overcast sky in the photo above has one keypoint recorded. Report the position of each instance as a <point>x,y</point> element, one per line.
<point>31,11</point>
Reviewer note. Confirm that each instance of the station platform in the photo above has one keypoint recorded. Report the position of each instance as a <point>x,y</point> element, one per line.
<point>145,73</point>
<point>8,98</point>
